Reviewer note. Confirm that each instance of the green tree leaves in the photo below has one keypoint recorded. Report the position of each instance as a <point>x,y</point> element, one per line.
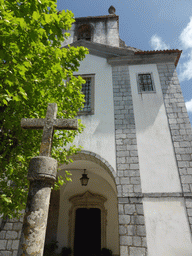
<point>33,72</point>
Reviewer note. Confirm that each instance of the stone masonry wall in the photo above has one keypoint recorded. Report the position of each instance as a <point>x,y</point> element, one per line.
<point>180,129</point>
<point>10,233</point>
<point>131,218</point>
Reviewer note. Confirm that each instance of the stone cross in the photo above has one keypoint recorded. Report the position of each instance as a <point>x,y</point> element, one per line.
<point>42,174</point>
<point>49,124</point>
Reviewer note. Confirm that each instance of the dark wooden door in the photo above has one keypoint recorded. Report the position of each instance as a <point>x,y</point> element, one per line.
<point>87,232</point>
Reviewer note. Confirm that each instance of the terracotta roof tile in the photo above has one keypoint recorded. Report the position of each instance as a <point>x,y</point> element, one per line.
<point>159,51</point>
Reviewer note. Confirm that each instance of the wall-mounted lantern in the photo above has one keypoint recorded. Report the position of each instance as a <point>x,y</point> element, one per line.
<point>84,179</point>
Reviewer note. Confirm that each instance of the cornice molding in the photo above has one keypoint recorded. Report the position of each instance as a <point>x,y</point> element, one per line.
<point>140,59</point>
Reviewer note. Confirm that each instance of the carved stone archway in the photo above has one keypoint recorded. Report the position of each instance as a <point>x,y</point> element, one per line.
<point>87,200</point>
<point>95,158</point>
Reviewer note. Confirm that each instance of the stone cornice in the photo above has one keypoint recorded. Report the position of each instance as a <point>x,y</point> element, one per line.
<point>140,58</point>
<point>103,50</point>
<point>129,55</point>
<point>110,16</point>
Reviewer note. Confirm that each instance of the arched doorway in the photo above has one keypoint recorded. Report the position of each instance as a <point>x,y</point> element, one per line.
<point>87,238</point>
<point>87,223</point>
<point>99,196</point>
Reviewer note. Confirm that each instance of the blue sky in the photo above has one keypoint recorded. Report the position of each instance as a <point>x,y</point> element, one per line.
<point>149,25</point>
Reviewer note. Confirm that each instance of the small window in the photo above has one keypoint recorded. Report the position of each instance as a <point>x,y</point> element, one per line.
<point>88,91</point>
<point>145,83</point>
<point>84,32</point>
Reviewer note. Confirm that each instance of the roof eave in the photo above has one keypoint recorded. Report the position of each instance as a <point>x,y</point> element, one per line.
<point>102,50</point>
<point>170,51</point>
<point>140,58</point>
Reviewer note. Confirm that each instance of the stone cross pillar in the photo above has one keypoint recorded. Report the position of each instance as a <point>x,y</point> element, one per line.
<point>42,174</point>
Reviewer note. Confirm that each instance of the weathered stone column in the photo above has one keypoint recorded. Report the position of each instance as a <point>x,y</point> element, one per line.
<point>42,174</point>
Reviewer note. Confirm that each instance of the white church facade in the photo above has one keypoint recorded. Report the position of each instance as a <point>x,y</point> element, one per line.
<point>136,153</point>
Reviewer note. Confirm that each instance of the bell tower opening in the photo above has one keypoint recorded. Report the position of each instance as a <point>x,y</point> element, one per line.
<point>84,32</point>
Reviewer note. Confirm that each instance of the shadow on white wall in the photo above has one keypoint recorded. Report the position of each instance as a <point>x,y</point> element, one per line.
<point>181,251</point>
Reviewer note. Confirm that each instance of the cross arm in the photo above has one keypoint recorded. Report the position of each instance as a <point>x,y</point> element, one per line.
<point>58,124</point>
<point>32,123</point>
<point>48,124</point>
<point>65,124</point>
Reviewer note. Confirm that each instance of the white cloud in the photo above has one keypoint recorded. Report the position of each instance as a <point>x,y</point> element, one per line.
<point>185,68</point>
<point>185,65</point>
<point>186,35</point>
<point>189,106</point>
<point>157,43</point>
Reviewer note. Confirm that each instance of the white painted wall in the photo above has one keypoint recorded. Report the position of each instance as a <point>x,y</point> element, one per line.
<point>168,232</point>
<point>106,32</point>
<point>98,137</point>
<point>166,219</point>
<point>99,134</point>
<point>157,161</point>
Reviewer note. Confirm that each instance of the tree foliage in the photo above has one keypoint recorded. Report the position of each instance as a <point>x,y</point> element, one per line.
<point>34,69</point>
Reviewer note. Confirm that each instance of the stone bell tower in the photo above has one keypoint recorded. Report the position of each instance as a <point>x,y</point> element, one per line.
<point>97,29</point>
